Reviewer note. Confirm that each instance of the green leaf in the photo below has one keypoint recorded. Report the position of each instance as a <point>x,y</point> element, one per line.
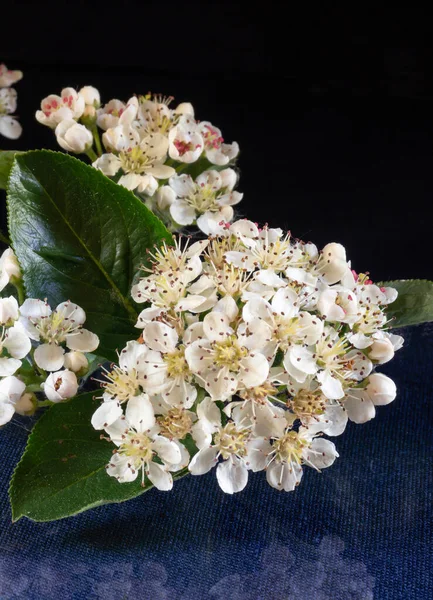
<point>62,471</point>
<point>414,304</point>
<point>6,161</point>
<point>81,237</point>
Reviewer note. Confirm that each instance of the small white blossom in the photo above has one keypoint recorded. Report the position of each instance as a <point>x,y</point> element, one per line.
<point>54,109</point>
<point>60,385</point>
<point>17,345</point>
<point>9,268</point>
<point>291,451</point>
<point>73,137</point>
<point>9,126</point>
<point>137,446</point>
<point>117,113</point>
<point>360,403</point>
<point>90,95</point>
<point>11,391</point>
<point>185,143</point>
<point>9,310</point>
<point>8,77</point>
<point>54,328</point>
<point>222,361</point>
<point>204,198</point>
<point>216,151</point>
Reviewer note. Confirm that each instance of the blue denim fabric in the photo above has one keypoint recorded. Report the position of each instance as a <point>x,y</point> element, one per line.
<point>360,530</point>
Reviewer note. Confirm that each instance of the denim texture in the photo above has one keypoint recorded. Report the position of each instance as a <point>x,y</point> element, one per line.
<point>360,530</point>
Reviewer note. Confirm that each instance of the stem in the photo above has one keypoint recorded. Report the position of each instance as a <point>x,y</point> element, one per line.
<point>42,403</point>
<point>18,285</point>
<point>181,167</point>
<point>91,154</point>
<point>97,140</point>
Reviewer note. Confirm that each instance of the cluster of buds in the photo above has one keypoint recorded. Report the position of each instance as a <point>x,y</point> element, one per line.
<point>42,351</point>
<point>9,126</point>
<point>180,167</point>
<point>254,346</point>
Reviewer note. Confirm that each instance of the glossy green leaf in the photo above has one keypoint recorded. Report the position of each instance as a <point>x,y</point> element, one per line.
<point>62,471</point>
<point>81,237</point>
<point>6,161</point>
<point>414,304</point>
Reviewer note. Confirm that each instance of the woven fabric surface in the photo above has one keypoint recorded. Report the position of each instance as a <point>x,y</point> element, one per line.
<point>360,530</point>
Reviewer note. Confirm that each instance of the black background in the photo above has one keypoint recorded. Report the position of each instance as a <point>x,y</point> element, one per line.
<point>332,111</point>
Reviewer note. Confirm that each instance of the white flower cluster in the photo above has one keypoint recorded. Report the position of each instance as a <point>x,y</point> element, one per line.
<point>178,165</point>
<point>254,345</point>
<point>54,359</point>
<point>9,126</point>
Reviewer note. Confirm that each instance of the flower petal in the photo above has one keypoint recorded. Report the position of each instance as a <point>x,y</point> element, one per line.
<point>49,357</point>
<point>232,475</point>
<point>203,461</point>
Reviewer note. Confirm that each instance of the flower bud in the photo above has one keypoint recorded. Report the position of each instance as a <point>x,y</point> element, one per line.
<point>8,311</point>
<point>26,405</point>
<point>381,389</point>
<point>91,96</point>
<point>381,351</point>
<point>165,197</point>
<point>77,362</point>
<point>61,385</point>
<point>73,137</point>
<point>334,265</point>
<point>9,268</point>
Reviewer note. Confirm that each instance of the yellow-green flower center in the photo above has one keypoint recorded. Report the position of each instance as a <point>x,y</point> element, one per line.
<point>231,440</point>
<point>176,363</point>
<point>289,448</point>
<point>229,353</point>
<point>175,424</point>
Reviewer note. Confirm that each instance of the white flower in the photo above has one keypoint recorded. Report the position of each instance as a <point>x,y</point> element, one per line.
<point>221,360</point>
<point>360,403</point>
<point>117,113</point>
<point>138,446</point>
<point>257,410</point>
<point>267,249</point>
<point>9,268</point>
<point>9,126</point>
<point>290,451</point>
<point>90,95</point>
<point>17,344</point>
<point>207,195</point>
<point>332,264</point>
<point>233,443</point>
<point>280,323</point>
<point>169,289</point>
<point>154,115</point>
<point>338,304</point>
<point>9,311</point>
<point>11,391</point>
<point>383,346</point>
<point>73,137</point>
<point>60,385</point>
<point>54,109</point>
<point>185,142</point>
<point>166,368</point>
<point>53,328</point>
<point>216,151</point>
<point>7,77</point>
<point>141,162</point>
<point>122,383</point>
